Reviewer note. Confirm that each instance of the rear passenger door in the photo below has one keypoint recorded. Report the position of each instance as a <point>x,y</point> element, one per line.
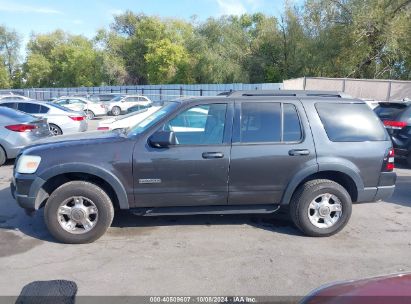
<point>271,143</point>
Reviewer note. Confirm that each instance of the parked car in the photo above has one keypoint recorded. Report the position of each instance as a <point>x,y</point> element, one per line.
<point>126,121</point>
<point>396,117</point>
<point>12,96</point>
<point>92,109</point>
<point>61,120</point>
<point>122,103</point>
<point>394,288</point>
<point>249,152</point>
<point>17,130</point>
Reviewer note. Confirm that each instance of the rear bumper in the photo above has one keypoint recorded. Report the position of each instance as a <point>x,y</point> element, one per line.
<point>385,189</point>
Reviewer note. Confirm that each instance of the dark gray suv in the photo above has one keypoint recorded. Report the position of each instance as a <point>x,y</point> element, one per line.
<point>248,152</point>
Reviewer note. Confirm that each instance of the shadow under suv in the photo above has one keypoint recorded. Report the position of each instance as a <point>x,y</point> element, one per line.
<point>248,152</point>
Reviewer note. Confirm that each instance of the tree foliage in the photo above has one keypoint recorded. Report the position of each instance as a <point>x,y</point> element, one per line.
<point>330,38</point>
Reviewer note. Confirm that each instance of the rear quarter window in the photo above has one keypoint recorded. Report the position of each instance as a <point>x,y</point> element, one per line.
<point>350,122</point>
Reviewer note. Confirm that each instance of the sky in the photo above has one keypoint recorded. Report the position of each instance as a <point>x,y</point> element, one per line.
<point>87,16</point>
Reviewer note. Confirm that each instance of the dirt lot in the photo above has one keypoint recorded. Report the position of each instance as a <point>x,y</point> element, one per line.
<point>206,255</point>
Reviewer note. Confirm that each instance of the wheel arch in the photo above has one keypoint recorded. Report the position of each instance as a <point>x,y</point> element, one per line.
<point>56,176</point>
<point>342,175</point>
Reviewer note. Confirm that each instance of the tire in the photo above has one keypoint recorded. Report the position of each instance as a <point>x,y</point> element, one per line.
<point>116,111</point>
<point>55,130</point>
<point>90,115</point>
<point>3,156</point>
<point>88,192</point>
<point>315,193</point>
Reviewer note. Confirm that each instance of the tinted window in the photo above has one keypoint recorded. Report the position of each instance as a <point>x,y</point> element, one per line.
<point>31,108</point>
<point>59,107</point>
<point>44,110</point>
<point>261,122</point>
<point>292,127</point>
<point>200,125</point>
<point>11,105</point>
<point>350,122</point>
<point>389,110</point>
<point>9,113</point>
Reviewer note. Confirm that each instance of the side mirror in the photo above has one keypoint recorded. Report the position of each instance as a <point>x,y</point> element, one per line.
<point>162,139</point>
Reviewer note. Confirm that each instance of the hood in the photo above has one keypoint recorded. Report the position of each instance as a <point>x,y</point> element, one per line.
<point>74,139</point>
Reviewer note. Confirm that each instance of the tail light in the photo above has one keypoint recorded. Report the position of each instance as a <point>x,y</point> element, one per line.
<point>77,118</point>
<point>103,128</point>
<point>388,163</point>
<point>395,124</point>
<point>21,128</point>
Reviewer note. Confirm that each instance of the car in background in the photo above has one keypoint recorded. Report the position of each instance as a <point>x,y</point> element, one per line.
<point>18,130</point>
<point>396,117</point>
<point>394,288</point>
<point>138,108</point>
<point>126,121</point>
<point>91,108</point>
<point>122,103</point>
<point>12,96</point>
<point>61,120</point>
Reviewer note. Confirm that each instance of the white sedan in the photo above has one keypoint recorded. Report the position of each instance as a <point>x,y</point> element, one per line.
<point>91,108</point>
<point>126,121</point>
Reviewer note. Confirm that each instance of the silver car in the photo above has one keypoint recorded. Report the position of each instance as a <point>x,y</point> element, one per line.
<point>61,120</point>
<point>18,130</point>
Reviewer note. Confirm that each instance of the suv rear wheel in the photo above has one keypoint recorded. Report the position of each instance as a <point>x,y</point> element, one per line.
<point>320,207</point>
<point>78,212</point>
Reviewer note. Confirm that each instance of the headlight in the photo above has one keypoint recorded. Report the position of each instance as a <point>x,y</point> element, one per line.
<point>28,164</point>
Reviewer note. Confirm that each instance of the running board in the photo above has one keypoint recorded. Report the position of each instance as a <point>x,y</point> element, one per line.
<point>243,209</point>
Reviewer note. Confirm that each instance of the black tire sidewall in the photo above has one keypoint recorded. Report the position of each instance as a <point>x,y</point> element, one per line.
<point>307,197</point>
<point>90,191</point>
<point>3,156</point>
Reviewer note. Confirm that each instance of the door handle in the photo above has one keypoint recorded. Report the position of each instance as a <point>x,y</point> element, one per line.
<point>209,155</point>
<point>299,152</point>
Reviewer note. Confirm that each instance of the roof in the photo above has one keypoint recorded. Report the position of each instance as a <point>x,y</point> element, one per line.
<point>289,93</point>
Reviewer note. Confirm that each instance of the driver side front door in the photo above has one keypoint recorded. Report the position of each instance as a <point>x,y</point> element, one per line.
<point>193,172</point>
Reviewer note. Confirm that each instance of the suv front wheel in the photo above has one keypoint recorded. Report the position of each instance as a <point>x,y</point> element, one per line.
<point>320,207</point>
<point>78,212</point>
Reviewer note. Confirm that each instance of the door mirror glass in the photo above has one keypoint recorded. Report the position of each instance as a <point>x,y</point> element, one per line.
<point>162,139</point>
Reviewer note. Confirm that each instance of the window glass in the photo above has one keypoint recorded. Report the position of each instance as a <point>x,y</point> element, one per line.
<point>11,105</point>
<point>30,108</point>
<point>292,127</point>
<point>62,102</point>
<point>44,110</point>
<point>261,122</point>
<point>199,125</point>
<point>76,101</point>
<point>345,122</point>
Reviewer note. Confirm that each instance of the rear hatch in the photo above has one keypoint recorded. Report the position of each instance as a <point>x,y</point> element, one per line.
<point>396,117</point>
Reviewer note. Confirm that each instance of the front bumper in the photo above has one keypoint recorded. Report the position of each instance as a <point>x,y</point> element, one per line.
<point>26,190</point>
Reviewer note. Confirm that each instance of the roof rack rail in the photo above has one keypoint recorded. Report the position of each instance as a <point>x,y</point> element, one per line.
<point>289,93</point>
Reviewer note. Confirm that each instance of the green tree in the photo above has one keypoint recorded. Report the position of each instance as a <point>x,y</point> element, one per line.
<point>9,52</point>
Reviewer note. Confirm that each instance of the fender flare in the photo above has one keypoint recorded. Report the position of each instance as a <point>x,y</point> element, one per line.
<point>303,174</point>
<point>102,173</point>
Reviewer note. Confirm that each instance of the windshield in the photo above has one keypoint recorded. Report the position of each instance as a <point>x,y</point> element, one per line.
<point>56,105</point>
<point>152,119</point>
